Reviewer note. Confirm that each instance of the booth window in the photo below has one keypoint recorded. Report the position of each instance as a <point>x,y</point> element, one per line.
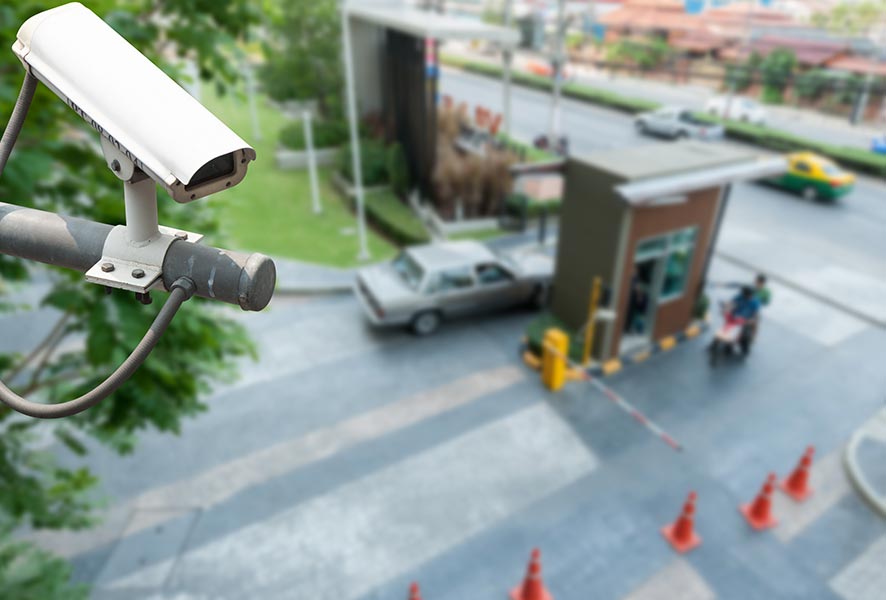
<point>673,253</point>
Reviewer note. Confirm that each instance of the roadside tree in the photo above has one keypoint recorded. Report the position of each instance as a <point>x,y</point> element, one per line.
<point>57,166</point>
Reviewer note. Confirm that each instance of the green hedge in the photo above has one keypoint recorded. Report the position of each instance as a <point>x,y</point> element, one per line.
<point>327,134</point>
<point>373,162</point>
<point>853,158</point>
<point>570,90</point>
<point>514,204</point>
<point>857,159</point>
<point>394,219</point>
<point>530,152</point>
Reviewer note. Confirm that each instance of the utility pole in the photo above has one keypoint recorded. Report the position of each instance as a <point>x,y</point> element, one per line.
<point>507,59</point>
<point>879,40</point>
<point>557,61</point>
<point>746,44</point>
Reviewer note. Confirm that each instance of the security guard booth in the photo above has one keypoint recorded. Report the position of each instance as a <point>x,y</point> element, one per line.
<point>645,220</point>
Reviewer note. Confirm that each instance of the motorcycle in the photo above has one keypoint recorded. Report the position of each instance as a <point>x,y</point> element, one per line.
<point>734,337</point>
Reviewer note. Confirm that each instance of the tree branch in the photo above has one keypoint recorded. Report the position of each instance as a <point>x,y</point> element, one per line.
<point>40,347</point>
<point>59,332</point>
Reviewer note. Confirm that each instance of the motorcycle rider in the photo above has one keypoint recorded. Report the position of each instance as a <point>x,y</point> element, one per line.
<point>746,306</point>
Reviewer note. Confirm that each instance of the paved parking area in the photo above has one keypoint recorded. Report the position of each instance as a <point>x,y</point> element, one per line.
<point>349,462</point>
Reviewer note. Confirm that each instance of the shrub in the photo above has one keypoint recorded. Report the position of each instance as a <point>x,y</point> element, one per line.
<point>850,89</point>
<point>327,134</point>
<point>811,84</point>
<point>776,70</point>
<point>395,219</point>
<point>373,162</point>
<point>535,333</point>
<point>516,203</point>
<point>397,169</point>
<point>857,159</point>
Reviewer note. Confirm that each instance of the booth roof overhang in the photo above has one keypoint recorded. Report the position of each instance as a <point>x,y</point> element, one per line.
<point>648,191</point>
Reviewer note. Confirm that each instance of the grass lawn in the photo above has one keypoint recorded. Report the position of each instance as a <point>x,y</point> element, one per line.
<point>480,235</point>
<point>270,211</point>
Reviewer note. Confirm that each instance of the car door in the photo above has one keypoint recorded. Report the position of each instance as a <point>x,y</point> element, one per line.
<point>497,287</point>
<point>800,174</point>
<point>454,290</point>
<point>659,122</point>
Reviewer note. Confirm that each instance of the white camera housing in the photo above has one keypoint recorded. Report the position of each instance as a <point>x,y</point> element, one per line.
<point>141,114</point>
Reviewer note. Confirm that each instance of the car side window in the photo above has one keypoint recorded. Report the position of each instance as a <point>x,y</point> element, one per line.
<point>450,280</point>
<point>491,273</point>
<point>802,167</point>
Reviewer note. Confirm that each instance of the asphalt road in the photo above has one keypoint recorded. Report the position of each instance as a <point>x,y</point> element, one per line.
<point>832,249</point>
<point>349,462</point>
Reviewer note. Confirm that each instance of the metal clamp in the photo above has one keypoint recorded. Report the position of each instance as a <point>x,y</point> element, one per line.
<point>135,268</point>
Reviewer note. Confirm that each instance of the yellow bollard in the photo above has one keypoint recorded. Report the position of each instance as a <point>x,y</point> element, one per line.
<point>555,348</point>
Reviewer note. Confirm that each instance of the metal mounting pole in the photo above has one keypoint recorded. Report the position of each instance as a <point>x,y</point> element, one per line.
<point>246,280</point>
<point>356,166</point>
<point>140,198</point>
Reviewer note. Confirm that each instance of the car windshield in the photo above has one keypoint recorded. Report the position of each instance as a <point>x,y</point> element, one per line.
<point>832,170</point>
<point>688,117</point>
<point>408,269</point>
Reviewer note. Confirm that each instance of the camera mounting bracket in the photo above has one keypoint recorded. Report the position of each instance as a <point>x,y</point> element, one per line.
<point>133,254</point>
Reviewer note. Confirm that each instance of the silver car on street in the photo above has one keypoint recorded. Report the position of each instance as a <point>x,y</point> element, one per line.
<point>426,284</point>
<point>677,123</point>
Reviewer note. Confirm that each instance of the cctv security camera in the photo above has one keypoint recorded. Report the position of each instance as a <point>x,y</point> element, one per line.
<point>149,125</point>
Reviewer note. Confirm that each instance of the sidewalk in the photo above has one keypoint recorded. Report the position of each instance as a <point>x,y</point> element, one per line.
<point>299,277</point>
<point>866,460</point>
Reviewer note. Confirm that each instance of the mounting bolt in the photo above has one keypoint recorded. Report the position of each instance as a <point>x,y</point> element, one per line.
<point>107,267</point>
<point>115,166</point>
<point>138,273</point>
<point>181,235</point>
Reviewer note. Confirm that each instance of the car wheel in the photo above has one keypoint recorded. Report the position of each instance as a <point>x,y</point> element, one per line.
<point>425,323</point>
<point>810,193</point>
<point>681,135</point>
<point>640,126</point>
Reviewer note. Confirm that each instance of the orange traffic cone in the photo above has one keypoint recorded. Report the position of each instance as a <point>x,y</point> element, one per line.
<point>681,533</point>
<point>797,483</point>
<point>759,512</point>
<point>532,588</point>
<point>414,592</point>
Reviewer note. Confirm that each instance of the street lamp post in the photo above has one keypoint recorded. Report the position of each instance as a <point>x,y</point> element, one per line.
<point>356,167</point>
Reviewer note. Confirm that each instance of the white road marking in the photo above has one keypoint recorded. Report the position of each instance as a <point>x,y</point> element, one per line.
<point>677,580</point>
<point>789,308</point>
<point>358,536</point>
<point>865,577</point>
<point>214,486</point>
<point>130,553</point>
<point>830,485</point>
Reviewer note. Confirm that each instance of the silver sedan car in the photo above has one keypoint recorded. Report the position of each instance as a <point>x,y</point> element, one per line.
<point>677,123</point>
<point>426,284</point>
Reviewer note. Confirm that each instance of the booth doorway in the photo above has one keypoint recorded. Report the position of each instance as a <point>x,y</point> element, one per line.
<point>661,268</point>
<point>640,310</point>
